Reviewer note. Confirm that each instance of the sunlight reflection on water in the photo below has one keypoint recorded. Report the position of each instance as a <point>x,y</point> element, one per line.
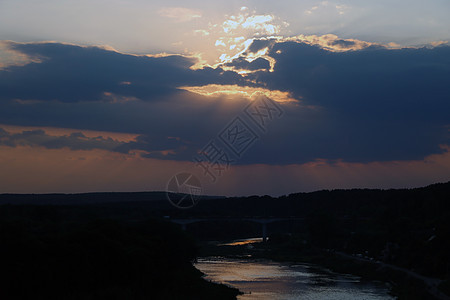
<point>264,280</point>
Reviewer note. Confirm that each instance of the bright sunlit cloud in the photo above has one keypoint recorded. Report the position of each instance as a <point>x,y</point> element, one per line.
<point>10,57</point>
<point>239,30</point>
<point>332,42</point>
<point>241,91</point>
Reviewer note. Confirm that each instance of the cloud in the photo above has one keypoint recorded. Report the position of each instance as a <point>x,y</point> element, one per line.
<point>70,73</point>
<point>257,50</point>
<point>10,57</point>
<point>145,145</point>
<point>74,141</point>
<point>201,32</point>
<point>373,103</point>
<point>242,64</point>
<point>348,100</point>
<point>332,42</point>
<point>237,32</point>
<point>260,24</point>
<point>327,7</point>
<point>260,44</point>
<point>235,91</point>
<point>180,14</point>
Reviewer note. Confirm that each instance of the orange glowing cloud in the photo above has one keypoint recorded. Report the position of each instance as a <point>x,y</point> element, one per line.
<point>240,91</point>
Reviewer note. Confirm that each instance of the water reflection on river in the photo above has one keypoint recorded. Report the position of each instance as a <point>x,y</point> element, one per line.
<point>264,280</point>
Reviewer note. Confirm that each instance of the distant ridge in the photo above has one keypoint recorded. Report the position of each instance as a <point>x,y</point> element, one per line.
<point>82,198</point>
<point>155,196</point>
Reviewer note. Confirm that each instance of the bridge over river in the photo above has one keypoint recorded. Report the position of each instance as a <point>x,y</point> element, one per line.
<point>261,220</point>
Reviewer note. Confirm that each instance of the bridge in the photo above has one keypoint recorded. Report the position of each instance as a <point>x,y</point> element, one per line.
<point>263,221</point>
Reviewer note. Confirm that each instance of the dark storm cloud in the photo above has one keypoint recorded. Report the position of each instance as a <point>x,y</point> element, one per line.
<point>70,73</point>
<point>374,104</point>
<point>180,125</point>
<point>242,64</point>
<point>375,81</point>
<point>257,45</point>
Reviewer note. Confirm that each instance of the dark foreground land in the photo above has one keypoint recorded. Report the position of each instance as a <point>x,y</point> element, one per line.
<point>126,245</point>
<point>42,256</point>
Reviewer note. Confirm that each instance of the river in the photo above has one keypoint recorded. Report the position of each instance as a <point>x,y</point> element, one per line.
<point>268,280</point>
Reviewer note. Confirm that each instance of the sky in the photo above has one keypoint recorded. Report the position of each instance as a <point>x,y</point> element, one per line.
<point>252,97</point>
